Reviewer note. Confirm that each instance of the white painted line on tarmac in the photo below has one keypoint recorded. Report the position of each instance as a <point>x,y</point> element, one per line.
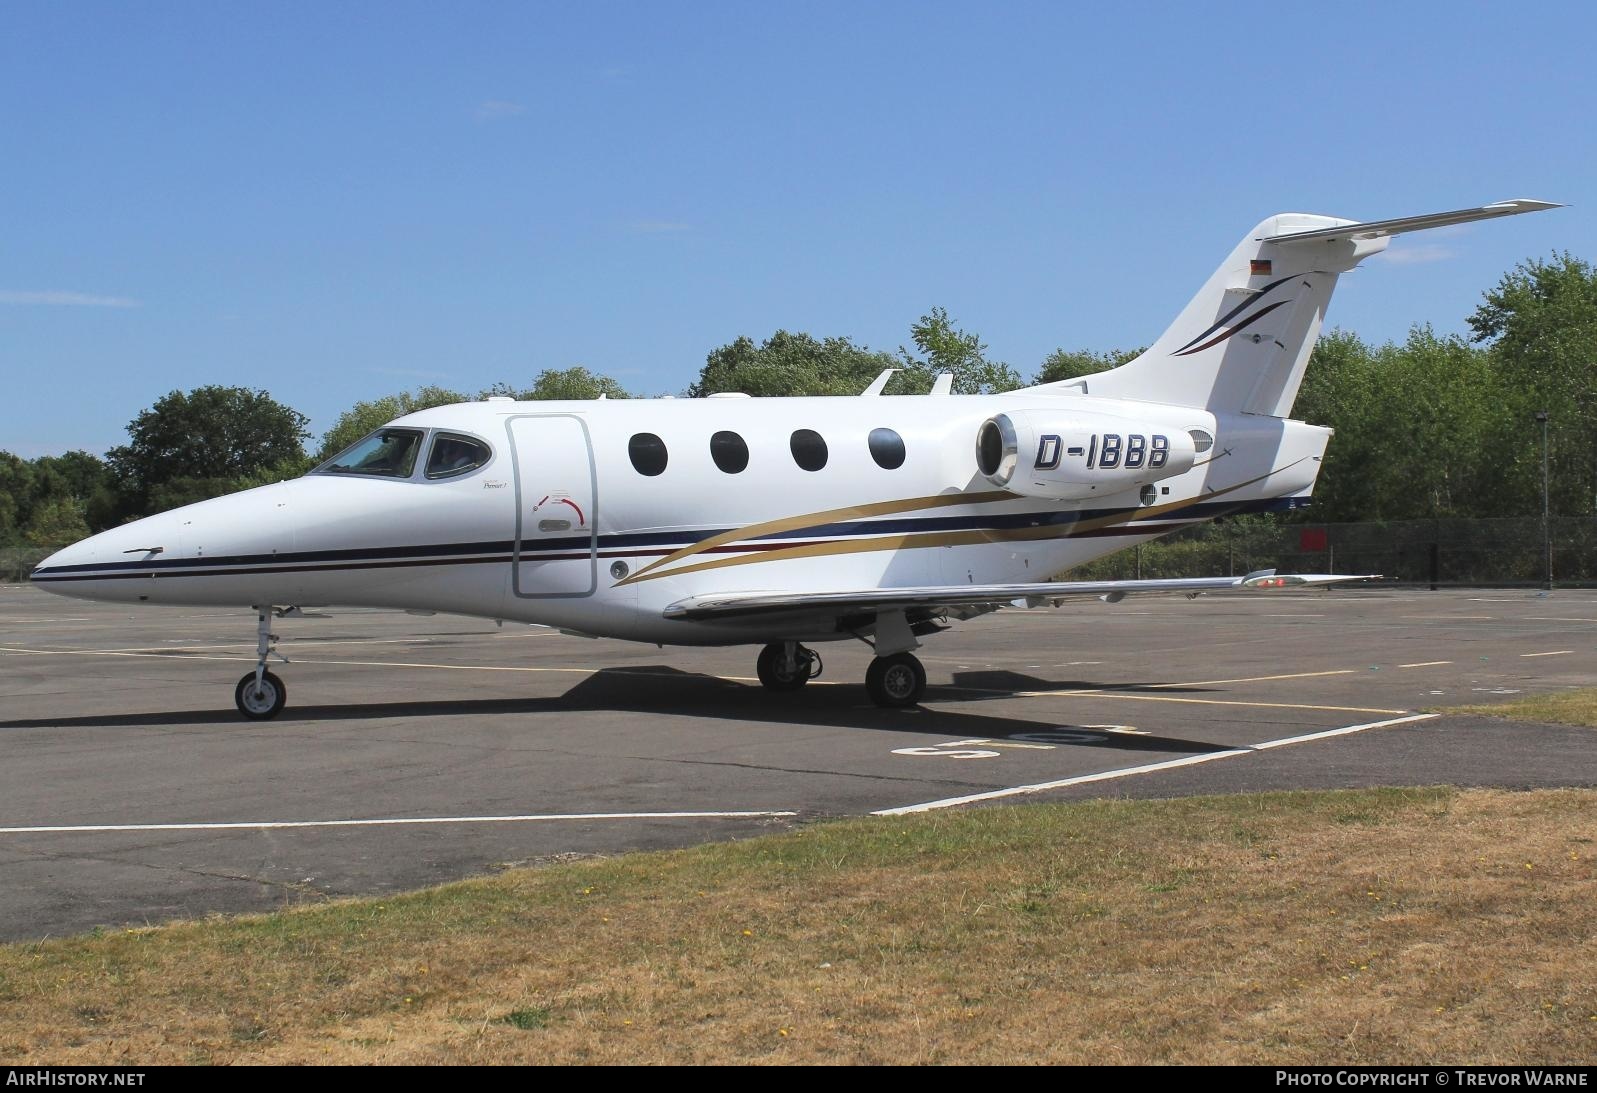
<point>1147,768</point>
<point>1016,791</point>
<point>263,825</point>
<point>29,618</point>
<point>1449,618</point>
<point>1555,618</point>
<point>1425,664</point>
<point>1554,653</point>
<point>1347,730</point>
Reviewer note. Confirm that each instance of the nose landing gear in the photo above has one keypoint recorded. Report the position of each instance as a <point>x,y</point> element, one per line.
<point>260,695</point>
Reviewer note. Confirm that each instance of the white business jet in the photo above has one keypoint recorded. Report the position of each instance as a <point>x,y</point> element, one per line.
<point>784,522</point>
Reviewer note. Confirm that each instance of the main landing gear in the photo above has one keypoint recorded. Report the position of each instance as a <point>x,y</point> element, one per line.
<point>260,695</point>
<point>894,680</point>
<point>787,665</point>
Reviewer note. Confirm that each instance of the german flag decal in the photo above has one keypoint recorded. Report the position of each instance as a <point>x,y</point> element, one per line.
<point>1259,267</point>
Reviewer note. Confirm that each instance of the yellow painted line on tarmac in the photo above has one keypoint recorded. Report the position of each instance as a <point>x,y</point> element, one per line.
<point>1201,701</point>
<point>1260,679</point>
<point>251,660</point>
<point>181,646</point>
<point>811,683</point>
<point>111,653</point>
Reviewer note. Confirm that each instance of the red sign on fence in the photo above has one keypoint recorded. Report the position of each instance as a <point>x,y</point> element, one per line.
<point>1313,540</point>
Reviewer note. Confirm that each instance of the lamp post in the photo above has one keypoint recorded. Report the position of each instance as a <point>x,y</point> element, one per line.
<point>1547,533</point>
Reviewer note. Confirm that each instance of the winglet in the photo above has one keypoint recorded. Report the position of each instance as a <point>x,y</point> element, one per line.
<point>944,384</point>
<point>1375,229</point>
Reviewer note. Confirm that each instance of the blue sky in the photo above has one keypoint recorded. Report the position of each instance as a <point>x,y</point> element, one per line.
<point>339,201</point>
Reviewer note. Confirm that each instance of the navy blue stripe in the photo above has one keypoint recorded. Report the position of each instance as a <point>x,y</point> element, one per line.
<point>1229,315</point>
<point>617,544</point>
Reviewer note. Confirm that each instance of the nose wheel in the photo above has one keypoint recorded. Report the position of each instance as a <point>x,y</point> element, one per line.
<point>895,681</point>
<point>260,699</point>
<point>260,695</point>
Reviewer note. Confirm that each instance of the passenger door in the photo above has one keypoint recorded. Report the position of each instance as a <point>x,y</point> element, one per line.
<point>556,552</point>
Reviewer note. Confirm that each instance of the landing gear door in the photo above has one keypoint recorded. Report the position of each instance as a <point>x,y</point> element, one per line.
<point>556,553</point>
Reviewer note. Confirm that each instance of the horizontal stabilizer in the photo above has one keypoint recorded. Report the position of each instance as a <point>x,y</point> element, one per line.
<point>748,604</point>
<point>1375,229</point>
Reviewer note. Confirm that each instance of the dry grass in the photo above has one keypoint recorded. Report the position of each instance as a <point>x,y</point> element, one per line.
<point>1363,927</point>
<point>1559,708</point>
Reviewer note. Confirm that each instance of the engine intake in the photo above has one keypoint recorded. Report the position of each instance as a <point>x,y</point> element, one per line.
<point>1039,453</point>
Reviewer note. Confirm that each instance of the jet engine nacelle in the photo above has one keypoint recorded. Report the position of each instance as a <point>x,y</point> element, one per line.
<point>1069,456</point>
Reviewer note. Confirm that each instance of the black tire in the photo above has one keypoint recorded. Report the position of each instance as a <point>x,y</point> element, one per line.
<point>772,675</point>
<point>264,705</point>
<point>896,681</point>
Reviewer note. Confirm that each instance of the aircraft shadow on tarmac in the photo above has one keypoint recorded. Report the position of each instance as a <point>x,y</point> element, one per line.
<point>1002,683</point>
<point>667,691</point>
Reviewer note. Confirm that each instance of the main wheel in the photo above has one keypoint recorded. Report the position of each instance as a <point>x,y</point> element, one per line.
<point>896,681</point>
<point>260,703</point>
<point>775,675</point>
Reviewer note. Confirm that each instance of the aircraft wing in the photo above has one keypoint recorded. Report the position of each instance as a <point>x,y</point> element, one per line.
<point>732,605</point>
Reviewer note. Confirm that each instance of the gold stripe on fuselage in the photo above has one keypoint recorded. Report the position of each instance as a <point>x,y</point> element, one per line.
<point>829,516</point>
<point>907,540</point>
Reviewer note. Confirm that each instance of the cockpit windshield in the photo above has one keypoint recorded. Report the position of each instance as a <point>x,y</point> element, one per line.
<point>387,453</point>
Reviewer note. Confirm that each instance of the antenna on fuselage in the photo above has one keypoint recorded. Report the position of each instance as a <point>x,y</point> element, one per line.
<point>878,383</point>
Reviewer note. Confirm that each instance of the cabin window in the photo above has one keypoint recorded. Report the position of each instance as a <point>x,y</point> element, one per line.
<point>454,454</point>
<point>729,451</point>
<point>809,449</point>
<point>648,454</point>
<point>387,453</point>
<point>887,448</point>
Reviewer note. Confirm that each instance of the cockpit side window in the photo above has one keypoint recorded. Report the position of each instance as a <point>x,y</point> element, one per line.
<point>454,454</point>
<point>387,453</point>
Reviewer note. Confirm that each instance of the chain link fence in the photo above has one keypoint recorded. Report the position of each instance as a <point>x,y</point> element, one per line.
<point>1432,553</point>
<point>17,562</point>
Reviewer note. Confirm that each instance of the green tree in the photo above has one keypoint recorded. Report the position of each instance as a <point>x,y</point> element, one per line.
<point>56,522</point>
<point>1066,364</point>
<point>943,347</point>
<point>1411,424</point>
<point>16,497</point>
<point>791,364</point>
<point>209,433</point>
<point>367,417</point>
<point>87,480</point>
<point>1540,325</point>
<point>568,383</point>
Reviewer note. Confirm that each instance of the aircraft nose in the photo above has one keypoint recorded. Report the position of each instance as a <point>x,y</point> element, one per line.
<point>113,565</point>
<point>181,556</point>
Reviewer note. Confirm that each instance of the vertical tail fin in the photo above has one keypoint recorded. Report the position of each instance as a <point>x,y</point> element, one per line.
<point>1241,345</point>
